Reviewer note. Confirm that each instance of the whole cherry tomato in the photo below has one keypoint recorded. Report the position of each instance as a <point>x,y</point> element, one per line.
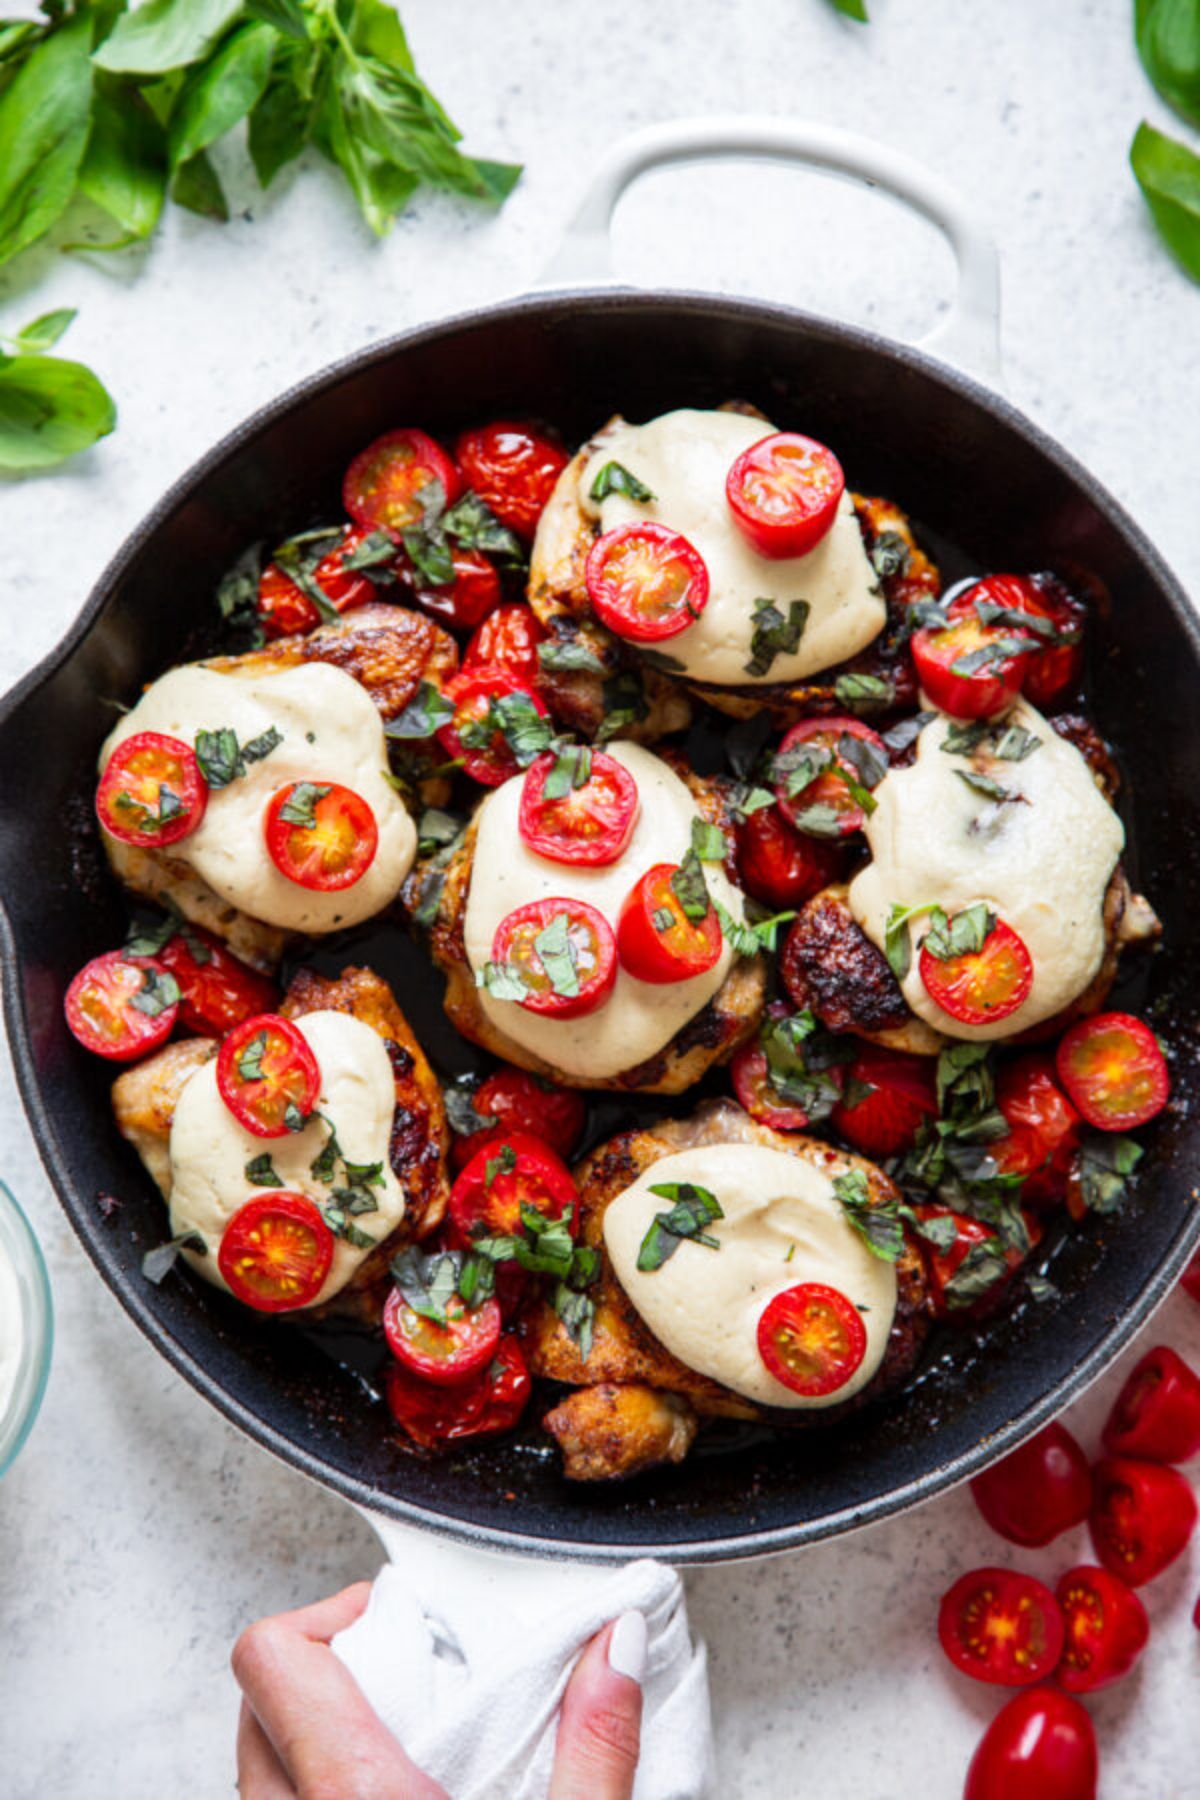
<point>1142,1517</point>
<point>463,603</point>
<point>518,1101</point>
<point>489,705</point>
<point>1040,1746</point>
<point>951,1295</point>
<point>448,1353</point>
<point>1042,1489</point>
<point>1157,1412</point>
<point>1106,1629</point>
<point>513,467</point>
<point>901,1095</point>
<point>382,487</point>
<point>751,1077</point>
<point>968,669</point>
<point>515,1169</point>
<point>283,607</point>
<point>784,493</point>
<point>1055,618</point>
<point>122,1006</point>
<point>780,865</point>
<point>217,990</point>
<point>1114,1071</point>
<point>508,639</point>
<point>825,804</point>
<point>486,1403</point>
<point>1043,1128</point>
<point>1002,1627</point>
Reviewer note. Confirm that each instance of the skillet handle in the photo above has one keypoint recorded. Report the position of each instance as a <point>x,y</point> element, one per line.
<point>968,336</point>
<point>496,1571</point>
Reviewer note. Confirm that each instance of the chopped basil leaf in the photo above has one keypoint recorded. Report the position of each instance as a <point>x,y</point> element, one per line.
<point>897,945</point>
<point>1040,1287</point>
<point>615,478</point>
<point>940,1232</point>
<point>962,739</point>
<point>1002,649</point>
<point>1014,744</point>
<point>754,936</point>
<point>987,786</point>
<point>156,994</point>
<point>962,934</point>
<point>745,799</point>
<point>983,1266</point>
<point>142,818</point>
<point>474,526</point>
<point>878,1225</point>
<point>708,841</point>
<point>797,768</point>
<point>1105,1164</point>
<point>904,733</point>
<point>237,596</point>
<point>260,1172</point>
<point>801,1058</point>
<point>889,555</point>
<point>773,634</point>
<point>298,808</point>
<point>662,659</point>
<point>427,1283</point>
<point>425,713</point>
<point>556,953</point>
<point>578,1314</point>
<point>476,1279</point>
<point>222,759</point>
<point>572,769</point>
<point>516,719</point>
<point>989,612</point>
<point>426,544</point>
<point>326,1160</point>
<point>293,1118</point>
<point>570,654</point>
<point>437,829</point>
<point>745,742</point>
<point>430,902</point>
<point>503,1163</point>
<point>249,1062</point>
<point>865,693</point>
<point>160,1261</point>
<point>694,1209</point>
<point>819,821</point>
<point>503,981</point>
<point>690,888</point>
<point>376,553</point>
<point>662,918</point>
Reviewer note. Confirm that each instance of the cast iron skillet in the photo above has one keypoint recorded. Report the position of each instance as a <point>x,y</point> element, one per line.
<point>989,490</point>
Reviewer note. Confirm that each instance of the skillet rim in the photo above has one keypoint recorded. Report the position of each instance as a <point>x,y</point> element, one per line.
<point>707,1549</point>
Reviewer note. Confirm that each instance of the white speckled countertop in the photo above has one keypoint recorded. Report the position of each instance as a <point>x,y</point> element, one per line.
<point>138,1531</point>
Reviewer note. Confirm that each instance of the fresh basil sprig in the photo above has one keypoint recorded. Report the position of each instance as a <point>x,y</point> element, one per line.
<point>50,408</point>
<point>1168,174</point>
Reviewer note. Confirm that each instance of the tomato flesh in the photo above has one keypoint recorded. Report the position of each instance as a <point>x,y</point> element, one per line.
<point>284,608</point>
<point>1043,1129</point>
<point>646,582</point>
<point>508,639</point>
<point>383,485</point>
<point>949,682</point>
<point>829,789</point>
<point>1001,1627</point>
<point>116,1008</point>
<point>984,985</point>
<point>1114,1071</point>
<point>442,1353</point>
<point>514,1169</point>
<point>491,1401</point>
<point>1106,1629</point>
<point>463,603</point>
<point>784,493</point>
<point>590,825</point>
<point>780,865</point>
<point>943,1265</point>
<point>276,1252</point>
<point>1049,675</point>
<point>812,1339</point>
<point>656,940</point>
<point>1041,1490</point>
<point>217,990</point>
<point>472,692</point>
<point>1040,1746</point>
<point>1157,1413</point>
<point>151,792</point>
<point>592,954</point>
<point>321,835</point>
<point>513,467</point>
<point>903,1095</point>
<point>518,1101</point>
<point>1142,1517</point>
<point>267,1076</point>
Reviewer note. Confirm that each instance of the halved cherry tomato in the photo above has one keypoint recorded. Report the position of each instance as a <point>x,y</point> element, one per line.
<point>267,1076</point>
<point>757,1093</point>
<point>1114,1071</point>
<point>1049,674</point>
<point>284,608</point>
<point>518,1101</point>
<point>1002,1627</point>
<point>943,1265</point>
<point>582,974</point>
<point>276,1251</point>
<point>903,1095</point>
<point>962,667</point>
<point>321,835</point>
<point>383,484</point>
<point>1043,1129</point>
<point>1042,1489</point>
<point>508,640</point>
<point>784,493</point>
<point>588,825</point>
<point>473,693</point>
<point>491,1401</point>
<point>811,1338</point>
<point>513,467</point>
<point>1106,1629</point>
<point>217,990</point>
<point>122,1006</point>
<point>828,790</point>
<point>444,1354</point>
<point>780,865</point>
<point>1157,1412</point>
<point>462,603</point>
<point>656,940</point>
<point>1142,1516</point>
<point>151,792</point>
<point>646,582</point>
<point>516,1168</point>
<point>1040,1746</point>
<point>983,985</point>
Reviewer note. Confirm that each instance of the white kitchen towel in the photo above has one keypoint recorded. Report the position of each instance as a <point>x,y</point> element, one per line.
<point>465,1657</point>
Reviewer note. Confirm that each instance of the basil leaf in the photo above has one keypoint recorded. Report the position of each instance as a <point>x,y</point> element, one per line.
<point>708,841</point>
<point>159,1262</point>
<point>124,171</point>
<point>569,655</point>
<point>286,16</point>
<point>1001,649</point>
<point>556,953</point>
<point>797,768</point>
<point>41,334</point>
<point>694,1209</point>
<point>50,409</point>
<point>249,1061</point>
<point>157,993</point>
<point>1014,744</point>
<point>437,830</point>
<point>690,888</point>
<point>864,693</point>
<point>990,612</point>
<point>801,1063</point>
<point>747,939</point>
<point>1040,1288</point>
<point>197,186</point>
<point>865,760</point>
<point>984,1265</point>
<point>220,91</point>
<point>1168,174</point>
<point>462,1113</point>
<point>503,1163</point>
<point>284,115</point>
<point>745,742</point>
<point>987,786</point>
<point>889,555</point>
<point>425,713</point>
<point>45,115</point>
<point>572,769</point>
<point>427,1283</point>
<point>503,981</point>
<point>474,526</point>
<point>299,807</point>
<point>773,634</point>
<point>1105,1164</point>
<point>819,821</point>
<point>260,1172</point>
<point>516,719</point>
<point>1168,41</point>
<point>878,1226</point>
<point>615,478</point>
<point>165,34</point>
<point>852,9</point>
<point>897,945</point>
<point>578,1314</point>
<point>962,934</point>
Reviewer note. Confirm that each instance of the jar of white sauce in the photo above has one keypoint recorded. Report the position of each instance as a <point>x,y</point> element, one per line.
<point>26,1327</point>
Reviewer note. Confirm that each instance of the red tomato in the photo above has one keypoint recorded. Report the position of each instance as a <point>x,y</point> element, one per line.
<point>122,1006</point>
<point>588,825</point>
<point>982,985</point>
<point>756,1092</point>
<point>268,1076</point>
<point>1049,674</point>
<point>1114,1071</point>
<point>559,992</point>
<point>444,1354</point>
<point>1190,1279</point>
<point>784,493</point>
<point>1106,1629</point>
<point>903,1095</point>
<point>1157,1412</point>
<point>1040,1746</point>
<point>488,1402</point>
<point>943,1265</point>
<point>462,603</point>
<point>1142,1517</point>
<point>217,990</point>
<point>1002,1627</point>
<point>646,582</point>
<point>811,1338</point>
<point>1042,1489</point>
<point>276,1251</point>
<point>284,608</point>
<point>513,467</point>
<point>383,483</point>
<point>508,640</point>
<point>952,680</point>
<point>518,1101</point>
<point>476,693</point>
<point>778,864</point>
<point>656,940</point>
<point>321,836</point>
<point>1043,1128</point>
<point>151,792</point>
<point>515,1168</point>
<point>827,790</point>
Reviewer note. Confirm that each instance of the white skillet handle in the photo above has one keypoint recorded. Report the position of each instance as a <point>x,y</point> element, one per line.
<point>968,336</point>
<point>521,1581</point>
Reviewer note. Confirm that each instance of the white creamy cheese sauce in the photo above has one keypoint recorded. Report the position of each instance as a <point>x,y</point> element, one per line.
<point>209,1149</point>
<point>331,733</point>
<point>683,458</point>
<point>12,1329</point>
<point>639,1018</point>
<point>783,1226</point>
<point>1042,860</point>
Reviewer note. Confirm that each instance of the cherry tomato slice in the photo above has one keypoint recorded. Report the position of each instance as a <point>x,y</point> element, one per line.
<point>268,1076</point>
<point>584,967</point>
<point>513,467</point>
<point>491,1401</point>
<point>984,985</point>
<point>1106,1629</point>
<point>518,1101</point>
<point>656,940</point>
<point>840,812</point>
<point>784,493</point>
<point>811,1338</point>
<point>646,582</point>
<point>1001,1627</point>
<point>321,835</point>
<point>1039,1491</point>
<point>757,1093</point>
<point>780,865</point>
<point>508,640</point>
<point>1040,1746</point>
<point>284,608</point>
<point>1157,1412</point>
<point>961,666</point>
<point>1142,1517</point>
<point>122,1006</point>
<point>944,1265</point>
<point>444,1354</point>
<point>217,990</point>
<point>1049,674</point>
<point>516,1168</point>
<point>1043,1129</point>
<point>1114,1071</point>
<point>480,695</point>
<point>276,1252</point>
<point>382,488</point>
<point>589,825</point>
<point>460,604</point>
<point>902,1095</point>
<point>151,792</point>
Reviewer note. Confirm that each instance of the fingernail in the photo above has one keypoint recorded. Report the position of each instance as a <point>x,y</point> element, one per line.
<point>627,1646</point>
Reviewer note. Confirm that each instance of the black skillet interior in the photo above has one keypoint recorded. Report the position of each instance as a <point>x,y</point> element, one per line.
<point>988,492</point>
